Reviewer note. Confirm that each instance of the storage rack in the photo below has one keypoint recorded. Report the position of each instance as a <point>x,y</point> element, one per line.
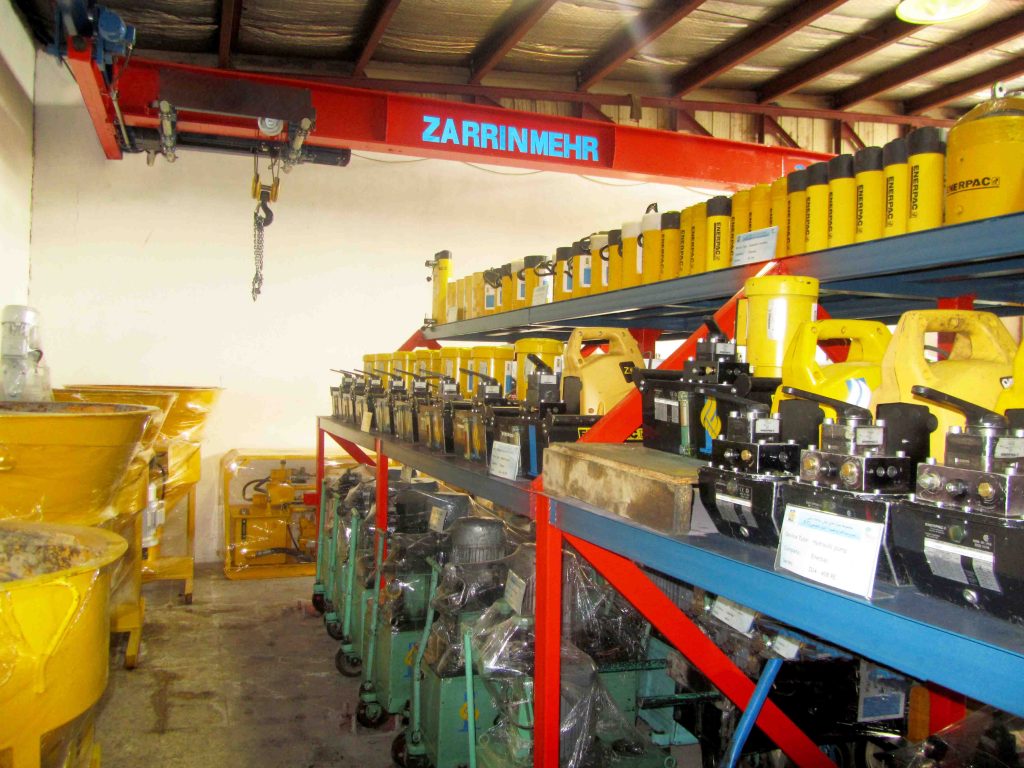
<point>943,644</point>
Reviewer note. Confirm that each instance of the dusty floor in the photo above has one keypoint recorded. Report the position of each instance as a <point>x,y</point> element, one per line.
<point>243,676</point>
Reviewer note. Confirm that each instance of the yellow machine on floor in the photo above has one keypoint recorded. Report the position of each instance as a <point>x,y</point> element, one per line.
<point>270,529</point>
<point>54,641</point>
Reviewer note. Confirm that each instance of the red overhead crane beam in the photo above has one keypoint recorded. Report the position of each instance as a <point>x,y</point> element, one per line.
<point>363,119</point>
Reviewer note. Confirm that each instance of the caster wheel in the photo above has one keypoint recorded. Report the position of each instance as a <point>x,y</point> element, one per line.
<point>371,714</point>
<point>334,630</point>
<point>348,664</point>
<point>399,752</point>
<point>319,603</point>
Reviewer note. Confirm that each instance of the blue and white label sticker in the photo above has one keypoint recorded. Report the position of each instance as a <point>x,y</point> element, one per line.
<point>754,247</point>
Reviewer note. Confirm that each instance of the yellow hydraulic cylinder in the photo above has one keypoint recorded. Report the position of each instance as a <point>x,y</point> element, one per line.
<point>779,216</point>
<point>463,296</point>
<point>532,278</point>
<point>985,161</point>
<point>492,291</point>
<point>816,219</point>
<point>897,187</point>
<point>649,248</point>
<point>476,302</point>
<point>870,182</point>
<point>776,305</point>
<point>685,241</point>
<point>451,304</point>
<point>582,269</point>
<point>421,361</point>
<point>520,297</point>
<point>760,207</point>
<point>507,291</point>
<point>796,212</point>
<point>926,162</point>
<point>614,259</point>
<point>440,273</point>
<point>698,238</point>
<point>982,356</point>
<point>851,381</point>
<point>599,262</point>
<point>498,362</point>
<point>741,206</point>
<point>632,255</point>
<point>718,242</point>
<point>842,201</point>
<point>563,273</point>
<point>671,245</point>
<point>54,635</point>
<point>551,351</point>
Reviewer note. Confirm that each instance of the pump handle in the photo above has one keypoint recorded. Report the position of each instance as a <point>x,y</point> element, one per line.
<point>342,372</point>
<point>483,376</point>
<point>730,396</point>
<point>714,329</point>
<point>415,376</point>
<point>843,408</point>
<point>975,415</point>
<point>492,277</point>
<point>382,372</point>
<point>541,365</point>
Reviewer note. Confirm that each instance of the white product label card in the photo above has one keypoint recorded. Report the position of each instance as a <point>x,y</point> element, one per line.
<point>367,421</point>
<point>836,551</point>
<point>505,460</point>
<point>541,294</point>
<point>787,647</point>
<point>737,616</point>
<point>515,591</point>
<point>437,518</point>
<point>754,247</point>
<point>406,473</point>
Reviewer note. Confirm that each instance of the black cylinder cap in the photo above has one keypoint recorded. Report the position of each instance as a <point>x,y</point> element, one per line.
<point>529,262</point>
<point>614,237</point>
<point>894,152</point>
<point>442,255</point>
<point>868,159</point>
<point>817,173</point>
<point>796,181</point>
<point>719,206</point>
<point>563,253</point>
<point>670,220</point>
<point>840,167</point>
<point>926,139</point>
<point>579,248</point>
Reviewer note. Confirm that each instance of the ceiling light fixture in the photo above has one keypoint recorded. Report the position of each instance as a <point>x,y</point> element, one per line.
<point>936,11</point>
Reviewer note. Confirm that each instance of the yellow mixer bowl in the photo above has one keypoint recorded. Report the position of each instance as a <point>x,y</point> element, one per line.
<point>186,418</point>
<point>63,462</point>
<point>162,400</point>
<point>54,630</point>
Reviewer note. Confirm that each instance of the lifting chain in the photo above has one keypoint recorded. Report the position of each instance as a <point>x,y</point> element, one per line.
<point>262,218</point>
<point>258,222</point>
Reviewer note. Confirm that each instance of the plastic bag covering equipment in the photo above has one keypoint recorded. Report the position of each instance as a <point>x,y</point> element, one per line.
<point>62,462</point>
<point>186,418</point>
<point>164,401</point>
<point>54,634</point>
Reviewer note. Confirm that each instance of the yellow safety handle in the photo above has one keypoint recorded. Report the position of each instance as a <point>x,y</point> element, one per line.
<point>982,330</point>
<point>620,342</point>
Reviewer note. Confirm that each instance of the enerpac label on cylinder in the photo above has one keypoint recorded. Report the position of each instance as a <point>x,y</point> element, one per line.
<point>508,138</point>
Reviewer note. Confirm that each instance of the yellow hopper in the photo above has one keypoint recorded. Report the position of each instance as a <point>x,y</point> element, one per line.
<point>164,401</point>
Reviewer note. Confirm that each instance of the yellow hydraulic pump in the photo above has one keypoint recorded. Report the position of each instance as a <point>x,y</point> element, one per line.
<point>852,380</point>
<point>599,379</point>
<point>982,355</point>
<point>551,351</point>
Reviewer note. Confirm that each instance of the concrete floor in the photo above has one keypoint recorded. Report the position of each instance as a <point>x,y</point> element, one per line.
<point>244,676</point>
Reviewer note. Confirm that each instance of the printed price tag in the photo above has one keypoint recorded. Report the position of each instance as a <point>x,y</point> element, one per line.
<point>541,294</point>
<point>836,551</point>
<point>754,247</point>
<point>437,518</point>
<point>515,591</point>
<point>505,460</point>
<point>737,616</point>
<point>367,421</point>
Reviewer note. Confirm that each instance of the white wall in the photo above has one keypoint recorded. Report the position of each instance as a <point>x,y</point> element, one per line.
<point>143,273</point>
<point>17,86</point>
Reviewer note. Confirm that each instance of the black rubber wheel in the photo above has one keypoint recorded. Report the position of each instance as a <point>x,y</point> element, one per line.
<point>371,714</point>
<point>398,750</point>
<point>319,603</point>
<point>348,664</point>
<point>334,630</point>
